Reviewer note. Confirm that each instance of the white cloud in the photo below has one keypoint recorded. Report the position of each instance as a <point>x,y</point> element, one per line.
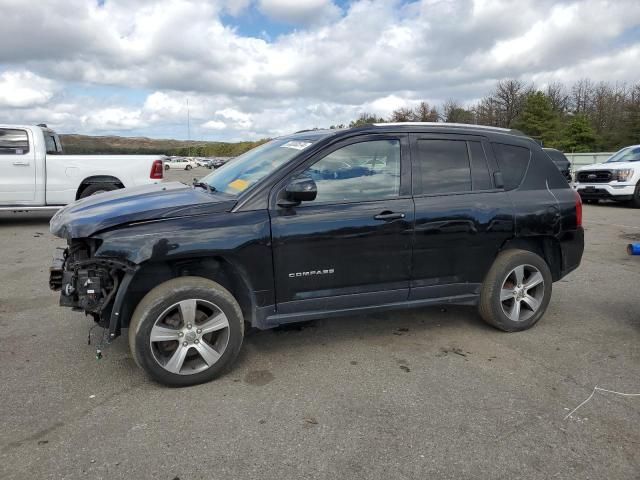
<point>24,89</point>
<point>114,118</point>
<point>214,125</point>
<point>240,119</point>
<point>297,11</point>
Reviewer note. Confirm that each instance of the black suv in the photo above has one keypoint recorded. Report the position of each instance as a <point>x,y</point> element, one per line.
<point>318,224</point>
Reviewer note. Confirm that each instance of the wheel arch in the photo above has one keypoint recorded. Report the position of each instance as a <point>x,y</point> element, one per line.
<point>216,268</point>
<point>545,246</point>
<point>97,179</point>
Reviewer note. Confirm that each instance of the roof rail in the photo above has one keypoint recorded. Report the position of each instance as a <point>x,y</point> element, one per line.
<point>445,124</point>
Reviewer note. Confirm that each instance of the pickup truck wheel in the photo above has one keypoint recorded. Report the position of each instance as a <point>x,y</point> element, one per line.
<point>96,188</point>
<point>516,291</point>
<point>186,331</point>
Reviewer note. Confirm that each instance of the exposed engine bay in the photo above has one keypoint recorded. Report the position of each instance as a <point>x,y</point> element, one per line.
<point>87,283</point>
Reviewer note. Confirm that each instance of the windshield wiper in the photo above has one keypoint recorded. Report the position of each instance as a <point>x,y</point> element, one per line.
<point>205,185</point>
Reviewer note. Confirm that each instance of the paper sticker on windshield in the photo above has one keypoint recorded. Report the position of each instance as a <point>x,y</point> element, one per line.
<point>296,144</point>
<point>239,184</point>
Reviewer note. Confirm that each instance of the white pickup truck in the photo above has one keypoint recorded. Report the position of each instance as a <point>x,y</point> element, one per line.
<point>617,179</point>
<point>34,175</point>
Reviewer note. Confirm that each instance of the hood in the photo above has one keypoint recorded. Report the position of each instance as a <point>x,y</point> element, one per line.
<point>610,166</point>
<point>88,216</point>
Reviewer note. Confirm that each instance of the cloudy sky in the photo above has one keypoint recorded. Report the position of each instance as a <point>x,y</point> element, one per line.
<point>258,68</point>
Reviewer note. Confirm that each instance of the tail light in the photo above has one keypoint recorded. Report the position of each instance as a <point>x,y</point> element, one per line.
<point>157,170</point>
<point>578,209</point>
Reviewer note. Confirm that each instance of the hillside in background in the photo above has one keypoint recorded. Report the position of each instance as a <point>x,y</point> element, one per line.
<point>75,144</point>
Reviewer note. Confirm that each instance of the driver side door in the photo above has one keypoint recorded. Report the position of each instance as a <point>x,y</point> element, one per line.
<point>351,246</point>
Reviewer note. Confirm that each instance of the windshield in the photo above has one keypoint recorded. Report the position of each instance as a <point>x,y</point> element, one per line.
<point>237,175</point>
<point>629,154</point>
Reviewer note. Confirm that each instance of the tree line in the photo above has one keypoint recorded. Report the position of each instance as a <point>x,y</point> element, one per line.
<point>583,117</point>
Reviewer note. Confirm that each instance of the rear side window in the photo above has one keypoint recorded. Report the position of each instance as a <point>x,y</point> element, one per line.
<point>50,141</point>
<point>13,142</point>
<point>513,162</point>
<point>479,168</point>
<point>443,166</point>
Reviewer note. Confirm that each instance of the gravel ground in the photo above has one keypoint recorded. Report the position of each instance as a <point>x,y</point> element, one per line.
<point>429,393</point>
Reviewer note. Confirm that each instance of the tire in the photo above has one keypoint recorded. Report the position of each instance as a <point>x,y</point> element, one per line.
<point>167,167</point>
<point>96,188</point>
<point>177,362</point>
<point>499,309</point>
<point>635,201</point>
<point>593,201</point>
<point>188,167</point>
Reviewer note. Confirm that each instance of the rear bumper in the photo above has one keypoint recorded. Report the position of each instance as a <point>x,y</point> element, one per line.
<point>600,191</point>
<point>572,246</point>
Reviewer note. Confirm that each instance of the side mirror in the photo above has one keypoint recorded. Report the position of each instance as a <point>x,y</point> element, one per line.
<point>301,189</point>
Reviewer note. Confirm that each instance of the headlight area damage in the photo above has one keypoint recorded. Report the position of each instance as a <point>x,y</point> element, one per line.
<point>90,284</point>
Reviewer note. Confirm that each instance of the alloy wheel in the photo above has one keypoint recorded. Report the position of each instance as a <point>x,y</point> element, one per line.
<point>189,337</point>
<point>522,293</point>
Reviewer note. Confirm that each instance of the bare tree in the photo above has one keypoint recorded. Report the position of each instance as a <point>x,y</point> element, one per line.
<point>402,114</point>
<point>509,96</point>
<point>558,97</point>
<point>581,96</point>
<point>424,113</point>
<point>454,112</point>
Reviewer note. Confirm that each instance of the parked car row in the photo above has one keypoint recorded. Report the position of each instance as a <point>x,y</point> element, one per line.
<point>188,163</point>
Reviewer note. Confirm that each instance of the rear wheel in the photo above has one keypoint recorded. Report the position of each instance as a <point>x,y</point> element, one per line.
<point>188,167</point>
<point>186,331</point>
<point>516,291</point>
<point>96,188</point>
<point>167,167</point>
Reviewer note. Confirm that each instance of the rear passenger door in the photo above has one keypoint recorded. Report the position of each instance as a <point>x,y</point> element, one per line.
<point>462,218</point>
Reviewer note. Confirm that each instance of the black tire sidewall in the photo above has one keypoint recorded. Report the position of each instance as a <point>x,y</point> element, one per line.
<point>94,188</point>
<point>491,309</point>
<point>158,301</point>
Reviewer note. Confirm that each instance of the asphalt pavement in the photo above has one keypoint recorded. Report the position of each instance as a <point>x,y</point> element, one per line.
<point>428,393</point>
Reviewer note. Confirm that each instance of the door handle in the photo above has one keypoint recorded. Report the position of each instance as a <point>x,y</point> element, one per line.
<point>386,215</point>
<point>19,163</point>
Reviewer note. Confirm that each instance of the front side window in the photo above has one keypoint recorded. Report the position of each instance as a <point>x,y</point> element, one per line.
<point>443,166</point>
<point>359,172</point>
<point>13,142</point>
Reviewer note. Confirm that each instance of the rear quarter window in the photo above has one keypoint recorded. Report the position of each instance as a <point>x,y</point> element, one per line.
<point>512,162</point>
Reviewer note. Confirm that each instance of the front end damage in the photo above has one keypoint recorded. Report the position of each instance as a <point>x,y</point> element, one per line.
<point>90,284</point>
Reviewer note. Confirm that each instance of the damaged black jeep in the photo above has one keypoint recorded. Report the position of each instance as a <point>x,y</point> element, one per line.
<point>319,224</point>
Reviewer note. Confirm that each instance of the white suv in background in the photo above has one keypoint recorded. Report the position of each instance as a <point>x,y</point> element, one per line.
<point>616,179</point>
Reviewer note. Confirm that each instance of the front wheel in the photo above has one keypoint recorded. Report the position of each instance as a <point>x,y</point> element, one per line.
<point>186,331</point>
<point>516,291</point>
<point>188,167</point>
